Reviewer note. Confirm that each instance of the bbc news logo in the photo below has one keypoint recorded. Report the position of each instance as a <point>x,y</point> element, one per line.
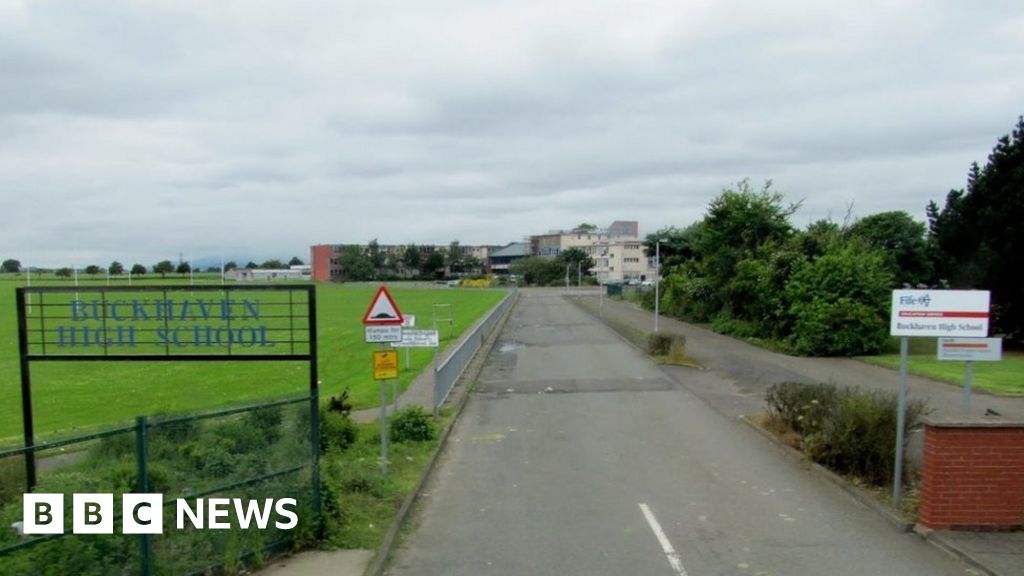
<point>143,513</point>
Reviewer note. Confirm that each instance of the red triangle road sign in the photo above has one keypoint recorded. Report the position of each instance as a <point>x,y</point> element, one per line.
<point>383,311</point>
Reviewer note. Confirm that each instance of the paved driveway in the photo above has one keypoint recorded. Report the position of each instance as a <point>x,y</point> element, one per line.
<point>576,455</point>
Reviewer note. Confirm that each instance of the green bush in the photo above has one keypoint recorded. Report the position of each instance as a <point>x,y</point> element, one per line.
<point>801,407</point>
<point>663,343</point>
<point>645,297</point>
<point>734,327</point>
<point>267,420</point>
<point>860,438</point>
<point>659,343</point>
<point>840,303</point>
<point>849,430</point>
<point>337,430</point>
<point>412,424</point>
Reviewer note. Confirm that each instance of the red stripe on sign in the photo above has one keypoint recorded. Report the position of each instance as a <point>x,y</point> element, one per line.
<point>955,345</point>
<point>941,314</point>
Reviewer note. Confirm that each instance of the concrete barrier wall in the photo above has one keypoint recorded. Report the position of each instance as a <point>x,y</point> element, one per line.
<point>972,475</point>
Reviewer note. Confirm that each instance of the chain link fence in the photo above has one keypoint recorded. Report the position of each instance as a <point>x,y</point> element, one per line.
<point>253,453</point>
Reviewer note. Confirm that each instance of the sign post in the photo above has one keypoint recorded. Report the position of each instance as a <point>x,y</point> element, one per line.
<point>383,322</point>
<point>970,350</point>
<point>930,313</point>
<point>410,322</point>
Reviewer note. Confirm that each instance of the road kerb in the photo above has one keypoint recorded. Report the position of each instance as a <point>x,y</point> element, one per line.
<point>379,562</point>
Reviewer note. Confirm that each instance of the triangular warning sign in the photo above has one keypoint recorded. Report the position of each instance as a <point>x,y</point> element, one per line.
<point>383,311</point>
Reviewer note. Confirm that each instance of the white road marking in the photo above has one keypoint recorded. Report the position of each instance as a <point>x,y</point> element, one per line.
<point>673,557</point>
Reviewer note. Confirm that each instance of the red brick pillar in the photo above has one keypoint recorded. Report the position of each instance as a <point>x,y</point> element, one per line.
<point>972,475</point>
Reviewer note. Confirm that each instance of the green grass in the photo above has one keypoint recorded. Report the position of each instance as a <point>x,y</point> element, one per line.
<point>83,395</point>
<point>1005,377</point>
<point>367,514</point>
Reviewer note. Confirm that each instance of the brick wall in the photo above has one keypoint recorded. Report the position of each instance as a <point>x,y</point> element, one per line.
<point>320,261</point>
<point>972,476</point>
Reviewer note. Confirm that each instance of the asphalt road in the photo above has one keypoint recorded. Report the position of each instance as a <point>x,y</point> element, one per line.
<point>576,455</point>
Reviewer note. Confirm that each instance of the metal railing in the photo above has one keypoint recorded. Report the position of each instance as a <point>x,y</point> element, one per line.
<point>257,451</point>
<point>447,373</point>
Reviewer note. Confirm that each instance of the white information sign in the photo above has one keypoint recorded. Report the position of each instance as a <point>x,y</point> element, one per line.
<point>418,339</point>
<point>409,321</point>
<point>973,349</point>
<point>939,313</point>
<point>378,334</point>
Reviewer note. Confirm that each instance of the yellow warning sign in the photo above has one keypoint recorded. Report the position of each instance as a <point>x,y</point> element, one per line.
<point>385,364</point>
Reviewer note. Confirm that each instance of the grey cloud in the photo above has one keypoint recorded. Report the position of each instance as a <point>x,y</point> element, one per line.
<point>260,128</point>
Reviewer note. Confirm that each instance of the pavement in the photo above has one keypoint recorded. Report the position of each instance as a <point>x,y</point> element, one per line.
<point>570,431</point>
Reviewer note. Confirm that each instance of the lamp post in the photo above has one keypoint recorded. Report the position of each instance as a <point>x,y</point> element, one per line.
<point>657,280</point>
<point>579,274</point>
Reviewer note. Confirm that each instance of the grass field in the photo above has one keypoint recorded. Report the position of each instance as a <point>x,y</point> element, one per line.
<point>83,395</point>
<point>1005,377</point>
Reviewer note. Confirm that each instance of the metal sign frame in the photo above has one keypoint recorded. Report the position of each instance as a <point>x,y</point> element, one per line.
<point>27,356</point>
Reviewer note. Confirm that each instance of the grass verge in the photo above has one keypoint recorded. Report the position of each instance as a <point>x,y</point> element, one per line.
<point>1005,377</point>
<point>367,499</point>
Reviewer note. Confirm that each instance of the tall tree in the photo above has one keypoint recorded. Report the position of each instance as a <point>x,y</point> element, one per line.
<point>355,264</point>
<point>11,266</point>
<point>64,272</point>
<point>273,264</point>
<point>978,237</point>
<point>433,265</point>
<point>183,268</point>
<point>375,255</point>
<point>677,245</point>
<point>295,261</point>
<point>411,257</point>
<point>115,268</point>
<point>453,259</point>
<point>901,240</point>
<point>231,265</point>
<point>539,271</point>
<point>575,259</point>
<point>163,268</point>
<point>138,270</point>
<point>92,269</point>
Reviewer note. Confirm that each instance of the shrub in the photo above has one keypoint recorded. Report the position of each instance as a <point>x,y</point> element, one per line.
<point>801,407</point>
<point>734,327</point>
<point>840,303</point>
<point>337,430</point>
<point>267,420</point>
<point>860,438</point>
<point>340,403</point>
<point>645,297</point>
<point>659,343</point>
<point>412,424</point>
<point>849,430</point>
<point>677,351</point>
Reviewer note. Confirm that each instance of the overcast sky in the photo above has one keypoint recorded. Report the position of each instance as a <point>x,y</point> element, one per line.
<point>137,130</point>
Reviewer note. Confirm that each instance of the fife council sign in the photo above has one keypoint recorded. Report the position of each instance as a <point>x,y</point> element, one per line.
<point>940,313</point>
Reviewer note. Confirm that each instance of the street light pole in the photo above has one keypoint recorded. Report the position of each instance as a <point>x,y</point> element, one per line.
<point>579,274</point>
<point>657,280</point>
